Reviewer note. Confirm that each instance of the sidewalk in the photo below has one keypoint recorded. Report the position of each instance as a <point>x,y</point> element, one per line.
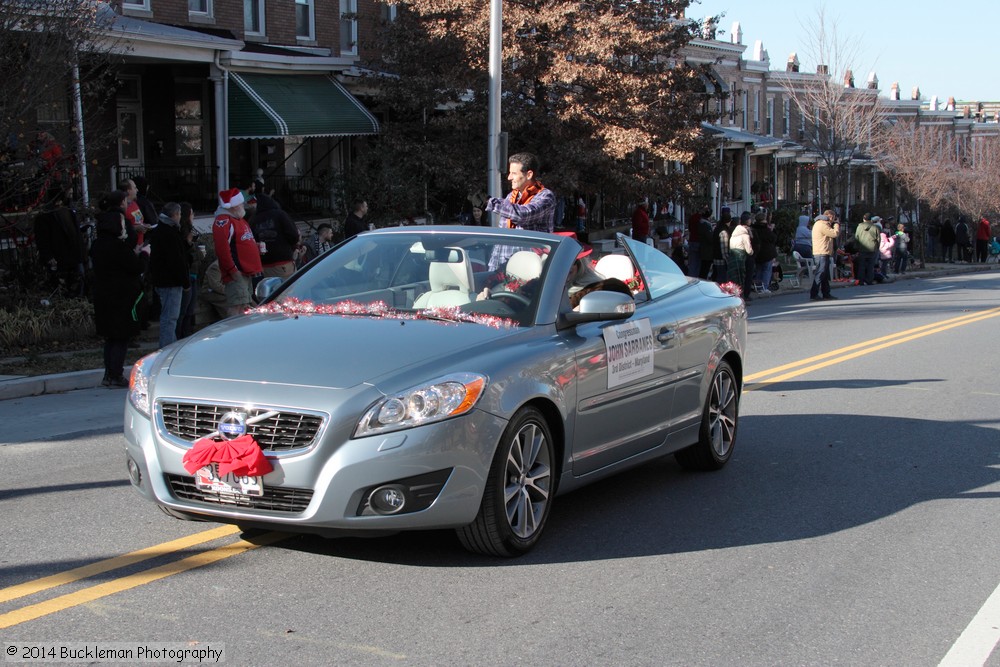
<point>930,270</point>
<point>19,387</point>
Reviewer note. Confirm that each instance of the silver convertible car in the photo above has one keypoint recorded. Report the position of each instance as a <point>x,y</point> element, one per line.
<point>438,377</point>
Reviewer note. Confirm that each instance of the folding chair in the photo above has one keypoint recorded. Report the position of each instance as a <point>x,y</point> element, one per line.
<point>806,265</point>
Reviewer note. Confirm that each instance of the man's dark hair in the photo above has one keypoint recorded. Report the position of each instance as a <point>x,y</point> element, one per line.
<point>112,200</point>
<point>324,225</point>
<point>125,183</point>
<point>357,204</point>
<point>141,184</point>
<point>528,162</point>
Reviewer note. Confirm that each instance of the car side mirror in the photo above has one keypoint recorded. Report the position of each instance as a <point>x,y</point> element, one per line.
<point>266,287</point>
<point>601,306</point>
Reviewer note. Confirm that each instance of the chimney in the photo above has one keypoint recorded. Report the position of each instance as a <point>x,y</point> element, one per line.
<point>793,63</point>
<point>934,103</point>
<point>823,70</point>
<point>736,34</point>
<point>951,105</point>
<point>848,79</point>
<point>872,81</point>
<point>894,91</point>
<point>966,111</point>
<point>915,95</point>
<point>759,52</point>
<point>708,28</point>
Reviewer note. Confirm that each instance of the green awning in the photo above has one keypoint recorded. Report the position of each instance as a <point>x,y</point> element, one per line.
<point>271,106</point>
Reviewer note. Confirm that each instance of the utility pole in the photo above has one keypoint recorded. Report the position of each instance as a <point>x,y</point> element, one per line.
<point>493,149</point>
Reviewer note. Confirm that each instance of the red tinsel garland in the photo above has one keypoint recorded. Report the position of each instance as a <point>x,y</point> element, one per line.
<point>450,314</point>
<point>731,288</point>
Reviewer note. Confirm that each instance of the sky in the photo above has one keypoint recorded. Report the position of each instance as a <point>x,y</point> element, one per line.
<point>948,49</point>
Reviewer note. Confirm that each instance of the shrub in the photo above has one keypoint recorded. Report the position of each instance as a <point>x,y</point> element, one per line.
<point>32,325</point>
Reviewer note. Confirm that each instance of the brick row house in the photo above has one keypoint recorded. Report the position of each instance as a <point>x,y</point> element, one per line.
<point>763,139</point>
<point>215,92</point>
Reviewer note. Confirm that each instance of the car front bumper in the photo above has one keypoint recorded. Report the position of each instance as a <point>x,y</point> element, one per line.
<point>325,488</point>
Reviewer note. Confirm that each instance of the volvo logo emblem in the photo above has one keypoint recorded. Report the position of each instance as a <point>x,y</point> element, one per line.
<point>232,425</point>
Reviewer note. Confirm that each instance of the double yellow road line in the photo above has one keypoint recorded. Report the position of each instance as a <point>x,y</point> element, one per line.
<point>119,584</point>
<point>803,366</point>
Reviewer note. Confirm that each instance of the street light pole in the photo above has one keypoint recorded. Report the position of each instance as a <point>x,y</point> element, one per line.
<point>493,149</point>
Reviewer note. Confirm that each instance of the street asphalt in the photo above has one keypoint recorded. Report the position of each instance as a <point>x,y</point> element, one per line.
<point>20,386</point>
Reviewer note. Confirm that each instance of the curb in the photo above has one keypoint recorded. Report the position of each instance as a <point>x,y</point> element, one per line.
<point>53,384</point>
<point>934,272</point>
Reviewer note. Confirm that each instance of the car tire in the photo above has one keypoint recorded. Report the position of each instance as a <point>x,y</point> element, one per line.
<point>518,493</point>
<point>720,417</point>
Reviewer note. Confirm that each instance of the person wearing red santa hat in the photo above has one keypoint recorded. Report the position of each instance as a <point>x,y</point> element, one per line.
<point>238,252</point>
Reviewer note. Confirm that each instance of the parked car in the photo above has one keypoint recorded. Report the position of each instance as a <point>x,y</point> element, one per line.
<point>439,377</point>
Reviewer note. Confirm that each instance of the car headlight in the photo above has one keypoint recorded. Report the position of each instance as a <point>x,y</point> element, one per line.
<point>428,403</point>
<point>138,383</point>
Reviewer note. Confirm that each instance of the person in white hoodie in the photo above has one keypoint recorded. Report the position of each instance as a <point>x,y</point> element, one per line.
<point>741,254</point>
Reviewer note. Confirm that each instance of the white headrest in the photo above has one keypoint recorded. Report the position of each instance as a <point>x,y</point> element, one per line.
<point>451,275</point>
<point>615,266</point>
<point>524,265</point>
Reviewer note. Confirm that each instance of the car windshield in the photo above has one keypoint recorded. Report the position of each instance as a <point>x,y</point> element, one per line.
<point>433,273</point>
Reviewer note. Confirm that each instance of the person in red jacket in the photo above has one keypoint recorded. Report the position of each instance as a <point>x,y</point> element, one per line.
<point>983,237</point>
<point>640,221</point>
<point>238,252</point>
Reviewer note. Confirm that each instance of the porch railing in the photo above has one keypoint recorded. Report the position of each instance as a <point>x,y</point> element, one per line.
<point>301,195</point>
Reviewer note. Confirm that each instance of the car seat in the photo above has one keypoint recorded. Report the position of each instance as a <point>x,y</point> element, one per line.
<point>450,282</point>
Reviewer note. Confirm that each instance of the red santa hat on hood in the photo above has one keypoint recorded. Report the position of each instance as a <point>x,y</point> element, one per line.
<point>231,198</point>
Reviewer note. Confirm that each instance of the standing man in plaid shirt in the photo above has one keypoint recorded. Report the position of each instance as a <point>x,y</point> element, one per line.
<point>530,204</point>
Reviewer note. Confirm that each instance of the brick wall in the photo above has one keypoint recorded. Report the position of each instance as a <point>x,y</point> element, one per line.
<point>279,19</point>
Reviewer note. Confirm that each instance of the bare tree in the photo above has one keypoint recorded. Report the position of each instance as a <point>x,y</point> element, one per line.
<point>979,178</point>
<point>918,158</point>
<point>939,168</point>
<point>50,52</point>
<point>921,160</point>
<point>840,118</point>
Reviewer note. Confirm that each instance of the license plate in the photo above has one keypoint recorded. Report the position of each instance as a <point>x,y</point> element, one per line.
<point>207,479</point>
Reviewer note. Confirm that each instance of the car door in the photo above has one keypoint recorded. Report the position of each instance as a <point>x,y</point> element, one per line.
<point>625,373</point>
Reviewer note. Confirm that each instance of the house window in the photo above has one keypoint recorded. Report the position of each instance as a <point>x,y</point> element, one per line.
<point>348,27</point>
<point>746,106</point>
<point>136,4</point>
<point>388,12</point>
<point>770,118</point>
<point>129,134</point>
<point>53,104</point>
<point>189,119</point>
<point>201,7</point>
<point>786,125</point>
<point>253,17</point>
<point>129,120</point>
<point>756,111</point>
<point>304,19</point>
